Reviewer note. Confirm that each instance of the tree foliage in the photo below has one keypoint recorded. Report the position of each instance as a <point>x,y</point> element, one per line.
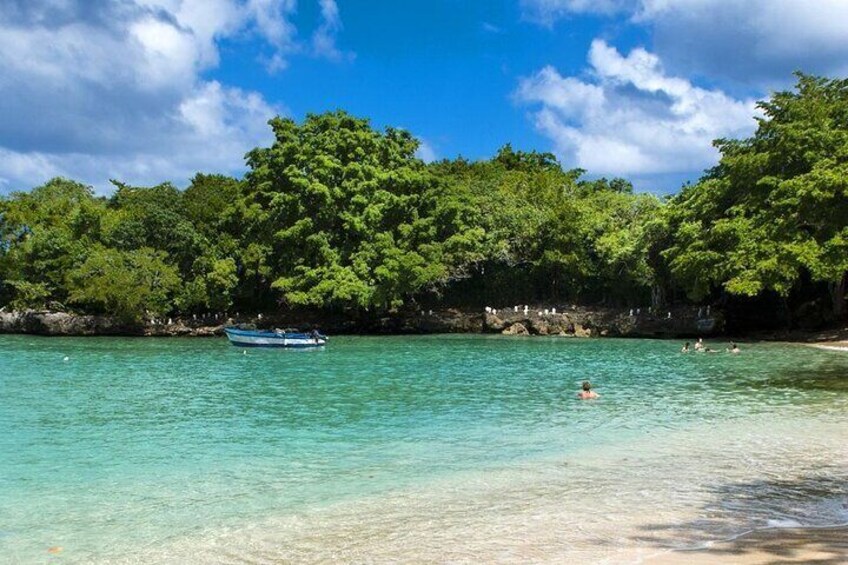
<point>775,209</point>
<point>124,284</point>
<point>336,215</point>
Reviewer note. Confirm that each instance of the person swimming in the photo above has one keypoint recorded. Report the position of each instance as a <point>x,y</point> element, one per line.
<point>685,348</point>
<point>699,345</point>
<point>734,348</point>
<point>587,393</point>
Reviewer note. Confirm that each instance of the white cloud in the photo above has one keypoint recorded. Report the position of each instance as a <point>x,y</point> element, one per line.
<point>631,117</point>
<point>548,11</point>
<point>755,43</point>
<point>211,131</point>
<point>324,38</point>
<point>271,19</point>
<point>99,89</point>
<point>425,151</point>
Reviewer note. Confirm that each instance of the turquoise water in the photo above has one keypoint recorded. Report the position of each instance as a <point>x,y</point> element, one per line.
<point>437,447</point>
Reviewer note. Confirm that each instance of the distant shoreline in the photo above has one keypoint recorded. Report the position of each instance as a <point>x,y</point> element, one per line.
<point>685,323</point>
<point>567,321</point>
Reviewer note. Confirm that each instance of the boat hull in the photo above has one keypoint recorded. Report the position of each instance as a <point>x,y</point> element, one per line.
<point>245,338</point>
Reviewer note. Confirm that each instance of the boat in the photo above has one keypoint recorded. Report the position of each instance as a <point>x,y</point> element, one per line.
<point>274,338</point>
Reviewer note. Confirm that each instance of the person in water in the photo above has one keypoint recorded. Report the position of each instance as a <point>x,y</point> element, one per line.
<point>587,393</point>
<point>699,345</point>
<point>685,348</point>
<point>734,348</point>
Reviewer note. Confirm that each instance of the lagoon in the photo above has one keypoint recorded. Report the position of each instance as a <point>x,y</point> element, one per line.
<point>410,448</point>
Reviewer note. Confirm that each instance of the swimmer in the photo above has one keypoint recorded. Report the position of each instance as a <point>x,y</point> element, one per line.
<point>587,393</point>
<point>685,348</point>
<point>734,348</point>
<point>699,345</point>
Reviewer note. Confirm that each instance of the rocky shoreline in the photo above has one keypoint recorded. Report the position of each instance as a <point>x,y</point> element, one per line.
<point>570,321</point>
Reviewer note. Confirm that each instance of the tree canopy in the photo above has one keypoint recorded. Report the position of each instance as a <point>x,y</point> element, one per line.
<point>774,210</point>
<point>336,215</point>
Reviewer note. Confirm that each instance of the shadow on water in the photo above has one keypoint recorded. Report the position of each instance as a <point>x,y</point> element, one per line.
<point>786,520</point>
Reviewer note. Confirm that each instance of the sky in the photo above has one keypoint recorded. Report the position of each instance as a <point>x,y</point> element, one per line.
<point>148,91</point>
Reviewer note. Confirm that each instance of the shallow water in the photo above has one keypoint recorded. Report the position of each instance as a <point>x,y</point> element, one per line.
<point>464,448</point>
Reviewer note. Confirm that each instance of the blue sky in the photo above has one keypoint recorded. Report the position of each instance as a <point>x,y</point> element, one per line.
<point>146,91</point>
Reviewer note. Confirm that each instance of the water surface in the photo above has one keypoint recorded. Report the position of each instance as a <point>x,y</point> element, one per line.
<point>409,448</point>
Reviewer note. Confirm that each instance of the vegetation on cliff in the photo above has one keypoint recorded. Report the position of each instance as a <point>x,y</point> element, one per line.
<point>335,215</point>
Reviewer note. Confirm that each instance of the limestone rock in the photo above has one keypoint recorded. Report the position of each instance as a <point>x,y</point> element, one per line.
<point>493,323</point>
<point>516,329</point>
<point>580,331</point>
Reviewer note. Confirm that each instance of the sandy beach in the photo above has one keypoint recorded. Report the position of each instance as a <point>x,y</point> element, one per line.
<point>772,547</point>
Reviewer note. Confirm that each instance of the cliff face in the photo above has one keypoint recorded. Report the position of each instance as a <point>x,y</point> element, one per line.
<point>569,321</point>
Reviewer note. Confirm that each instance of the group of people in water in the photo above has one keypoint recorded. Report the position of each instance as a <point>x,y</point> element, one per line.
<point>700,347</point>
<point>588,394</point>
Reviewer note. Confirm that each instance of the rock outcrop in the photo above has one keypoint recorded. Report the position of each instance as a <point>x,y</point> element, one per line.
<point>516,329</point>
<point>572,321</point>
<point>579,321</point>
<point>68,324</point>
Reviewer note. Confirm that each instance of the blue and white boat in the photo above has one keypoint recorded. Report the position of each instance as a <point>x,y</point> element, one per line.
<point>275,338</point>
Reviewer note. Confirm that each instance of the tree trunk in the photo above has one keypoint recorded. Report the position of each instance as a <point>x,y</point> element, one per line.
<point>837,296</point>
<point>657,296</point>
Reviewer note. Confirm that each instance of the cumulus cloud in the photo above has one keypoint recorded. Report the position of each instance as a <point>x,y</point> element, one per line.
<point>630,117</point>
<point>755,43</point>
<point>99,89</point>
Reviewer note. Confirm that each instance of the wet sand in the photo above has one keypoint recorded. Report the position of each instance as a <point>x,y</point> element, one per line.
<point>769,547</point>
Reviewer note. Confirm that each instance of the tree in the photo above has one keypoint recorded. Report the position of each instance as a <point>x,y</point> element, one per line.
<point>207,202</point>
<point>775,207</point>
<point>154,217</point>
<point>129,285</point>
<point>345,213</point>
<point>45,233</point>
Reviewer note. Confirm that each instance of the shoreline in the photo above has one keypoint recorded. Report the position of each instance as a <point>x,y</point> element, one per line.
<point>560,320</point>
<point>574,322</point>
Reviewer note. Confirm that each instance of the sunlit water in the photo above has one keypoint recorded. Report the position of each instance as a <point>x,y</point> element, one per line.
<point>439,448</point>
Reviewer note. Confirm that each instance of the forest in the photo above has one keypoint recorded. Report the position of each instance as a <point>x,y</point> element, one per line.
<point>340,217</point>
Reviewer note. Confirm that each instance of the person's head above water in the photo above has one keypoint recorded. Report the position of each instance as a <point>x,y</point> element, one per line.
<point>587,393</point>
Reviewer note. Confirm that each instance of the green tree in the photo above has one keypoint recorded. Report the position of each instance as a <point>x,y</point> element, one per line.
<point>154,217</point>
<point>130,285</point>
<point>775,207</point>
<point>44,233</point>
<point>345,212</point>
